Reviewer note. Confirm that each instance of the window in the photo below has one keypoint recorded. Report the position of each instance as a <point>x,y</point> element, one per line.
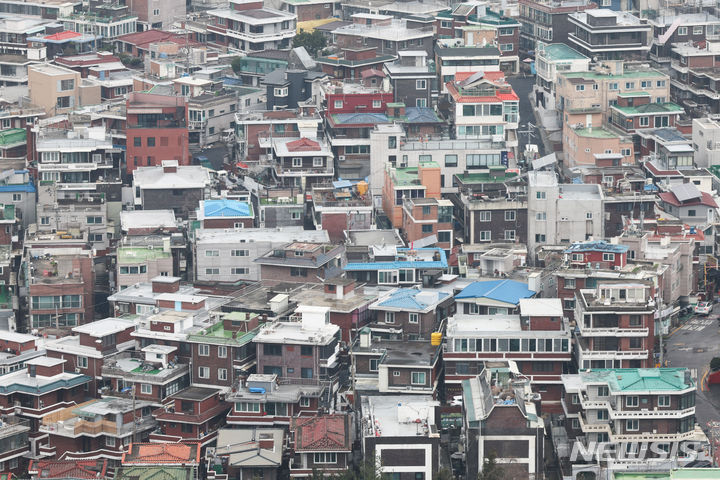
<point>427,228</point>
<point>629,85</point>
<point>539,238</point>
<point>151,141</point>
<point>608,257</point>
<point>579,88</point>
<point>451,160</point>
<point>541,216</point>
<point>109,441</point>
<point>239,270</point>
<point>420,84</point>
<point>692,213</point>
<point>485,236</point>
<point>278,92</point>
<point>212,253</point>
<point>338,104</point>
<point>660,83</point>
<point>212,271</point>
<point>222,351</point>
<point>414,318</point>
<point>298,272</point>
<point>510,235</point>
<point>484,216</point>
<point>389,317</point>
<point>204,350</point>
<point>247,407</point>
<point>421,102</point>
<point>325,457</point>
<point>146,389</point>
<point>625,152</point>
<point>297,162</point>
<point>575,424</point>
<point>569,283</point>
<point>318,161</point>
<point>306,372</point>
<point>396,373</point>
<point>204,372</point>
<point>17,197</point>
<point>418,378</point>
<point>644,121</point>
<point>82,362</point>
<point>509,215</point>
<point>603,391</point>
<point>613,86</point>
<point>272,349</point>
<point>304,402</point>
<point>94,220</point>
<point>222,373</point>
<point>374,362</point>
<point>632,425</point>
<point>631,401</point>
<point>574,399</point>
<point>540,195</point>
<point>682,31</point>
<point>377,104</point>
<point>636,343</point>
<point>239,253</point>
<point>444,236</point>
<point>67,85</point>
<point>306,350</point>
<point>64,102</point>
<point>295,214</point>
<point>506,47</point>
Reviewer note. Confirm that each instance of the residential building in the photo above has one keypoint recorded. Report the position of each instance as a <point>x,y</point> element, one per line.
<point>492,297</point>
<point>194,415</point>
<point>17,188</point>
<point>607,34</point>
<point>320,444</point>
<point>501,418</point>
<point>255,130</point>
<point>103,19</point>
<point>451,60</point>
<point>141,454</point>
<point>587,142</point>
<point>142,298</point>
<point>395,366</point>
<point>401,183</point>
<point>395,266</point>
<point>59,469</point>
<point>288,89</point>
<point>97,429</point>
<point>225,213</point>
<point>562,213</point>
<point>154,234</point>
<point>262,451</point>
<point>140,264</point>
<point>410,313</point>
<point>61,283</point>
<point>627,407</point>
<point>552,59</point>
<point>692,73</point>
<point>634,111</point>
<point>685,202</point>
<point>59,90</point>
<point>148,473</point>
<point>248,26</point>
<point>171,186</point>
<point>387,34</point>
<point>14,433</point>
<point>617,333</point>
<point>412,78</point>
<point>313,10</point>
<point>155,137</point>
<point>547,21</point>
<point>229,255</point>
<point>342,207</point>
<point>300,162</point>
<point>425,217</point>
<point>675,29</point>
<point>392,431</point>
<point>157,15</point>
<point>540,329</point>
<point>210,114</point>
<point>706,142</point>
<point>356,63</point>
<point>301,262</point>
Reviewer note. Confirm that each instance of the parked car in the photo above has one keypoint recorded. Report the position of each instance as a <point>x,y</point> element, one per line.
<point>703,308</point>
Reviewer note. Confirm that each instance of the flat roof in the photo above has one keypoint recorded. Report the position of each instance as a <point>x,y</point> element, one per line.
<point>104,327</point>
<point>195,393</point>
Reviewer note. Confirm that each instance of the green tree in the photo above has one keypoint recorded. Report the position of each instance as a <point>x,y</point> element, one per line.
<point>235,64</point>
<point>313,42</point>
<point>490,470</point>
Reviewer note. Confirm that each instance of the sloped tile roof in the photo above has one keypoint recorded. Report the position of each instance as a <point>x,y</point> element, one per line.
<point>324,433</point>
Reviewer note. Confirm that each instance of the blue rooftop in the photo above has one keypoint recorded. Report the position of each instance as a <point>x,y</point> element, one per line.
<point>19,187</point>
<point>227,208</point>
<point>599,246</point>
<point>506,291</point>
<point>406,258</point>
<point>407,299</point>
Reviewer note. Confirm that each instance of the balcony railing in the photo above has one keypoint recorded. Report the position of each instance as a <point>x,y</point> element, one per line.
<point>76,427</point>
<point>303,171</point>
<point>613,331</point>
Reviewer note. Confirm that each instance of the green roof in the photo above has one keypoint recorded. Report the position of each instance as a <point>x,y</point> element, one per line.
<point>667,107</point>
<point>485,177</point>
<point>493,18</point>
<point>140,254</point>
<point>560,51</point>
<point>630,74</point>
<point>406,176</point>
<point>679,474</point>
<point>155,473</point>
<point>595,132</point>
<point>12,136</point>
<point>217,334</point>
<point>640,379</point>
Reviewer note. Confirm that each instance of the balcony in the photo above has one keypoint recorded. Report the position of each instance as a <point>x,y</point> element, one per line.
<point>282,171</point>
<point>651,436</point>
<point>255,37</point>
<point>74,427</point>
<point>611,354</point>
<point>132,367</point>
<point>594,427</point>
<point>656,413</point>
<point>197,124</point>
<point>613,331</point>
<point>607,47</point>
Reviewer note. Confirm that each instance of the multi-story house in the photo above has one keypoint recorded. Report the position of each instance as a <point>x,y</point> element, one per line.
<point>387,34</point>
<point>300,162</point>
<point>615,325</point>
<point>681,29</point>
<point>395,266</point>
<point>355,63</point>
<point>171,186</point>
<point>547,21</point>
<point>607,34</point>
<point>395,366</point>
<point>692,70</point>
<point>263,455</point>
<point>587,142</point>
<point>80,182</point>
<point>248,25</point>
<point>408,183</point>
<point>97,429</point>
<point>18,189</point>
<point>686,202</point>
<point>157,15</point>
<point>424,217</point>
<point>108,20</point>
<point>61,283</point>
<point>40,9</point>
<point>401,428</point>
<point>484,107</point>
<point>538,339</point>
<point>54,469</point>
<point>320,443</point>
<point>140,454</point>
<point>312,10</point>
<point>706,142</point>
<point>562,213</point>
<point>492,297</point>
<point>627,408</point>
<point>552,59</point>
<point>342,207</point>
<point>255,130</point>
<point>500,418</point>
<point>412,79</point>
<point>14,434</point>
<point>140,264</point>
<point>194,414</point>
<point>301,262</point>
<point>59,90</point>
<point>494,206</point>
<point>225,213</point>
<point>155,137</point>
<point>633,111</point>
<point>451,59</point>
<point>410,313</point>
<point>210,114</point>
<point>229,255</point>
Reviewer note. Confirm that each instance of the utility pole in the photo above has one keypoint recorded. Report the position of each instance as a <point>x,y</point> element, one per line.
<point>134,437</point>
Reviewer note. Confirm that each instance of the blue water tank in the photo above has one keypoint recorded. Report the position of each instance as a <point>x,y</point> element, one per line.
<point>257,390</point>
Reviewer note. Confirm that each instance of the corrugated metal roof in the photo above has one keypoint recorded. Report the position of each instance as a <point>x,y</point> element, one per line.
<point>507,291</point>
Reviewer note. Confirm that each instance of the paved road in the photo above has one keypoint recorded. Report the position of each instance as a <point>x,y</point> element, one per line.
<point>523,86</point>
<point>692,346</point>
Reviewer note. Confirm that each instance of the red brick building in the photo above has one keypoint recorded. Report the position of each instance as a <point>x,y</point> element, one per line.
<point>193,414</point>
<point>156,130</point>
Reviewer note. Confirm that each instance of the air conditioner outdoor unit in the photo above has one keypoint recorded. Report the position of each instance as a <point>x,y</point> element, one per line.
<point>77,370</point>
<point>341,158</point>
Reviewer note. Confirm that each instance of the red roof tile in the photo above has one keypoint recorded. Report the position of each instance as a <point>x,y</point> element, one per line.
<point>161,453</point>
<point>303,145</point>
<point>143,39</point>
<point>77,469</point>
<point>325,433</point>
<point>706,199</point>
<point>492,76</point>
<point>66,35</point>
